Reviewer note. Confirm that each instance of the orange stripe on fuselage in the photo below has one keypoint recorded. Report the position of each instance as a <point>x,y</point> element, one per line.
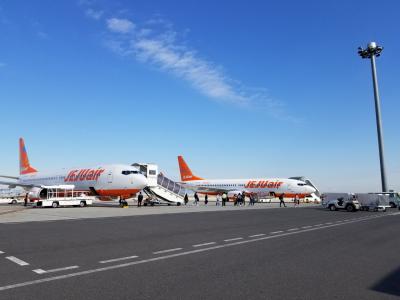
<point>118,192</point>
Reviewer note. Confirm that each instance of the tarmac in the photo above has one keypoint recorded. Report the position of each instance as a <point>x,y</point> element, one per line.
<point>203,253</point>
<point>19,213</point>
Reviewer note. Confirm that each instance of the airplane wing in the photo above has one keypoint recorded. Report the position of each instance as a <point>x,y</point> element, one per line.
<point>15,184</point>
<point>10,177</point>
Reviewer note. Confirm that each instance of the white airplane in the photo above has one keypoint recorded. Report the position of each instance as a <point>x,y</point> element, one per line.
<point>261,186</point>
<point>114,180</point>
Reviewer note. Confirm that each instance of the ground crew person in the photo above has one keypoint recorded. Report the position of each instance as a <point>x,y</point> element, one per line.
<point>26,199</point>
<point>281,201</point>
<point>206,199</point>
<point>139,199</point>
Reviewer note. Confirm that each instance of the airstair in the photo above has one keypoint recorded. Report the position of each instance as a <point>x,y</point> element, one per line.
<point>159,186</point>
<point>308,182</point>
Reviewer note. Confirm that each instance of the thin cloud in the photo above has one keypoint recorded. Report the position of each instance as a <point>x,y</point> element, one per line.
<point>120,25</point>
<point>156,43</point>
<point>94,14</point>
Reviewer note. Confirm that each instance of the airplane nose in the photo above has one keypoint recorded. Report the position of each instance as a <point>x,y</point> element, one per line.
<point>311,189</point>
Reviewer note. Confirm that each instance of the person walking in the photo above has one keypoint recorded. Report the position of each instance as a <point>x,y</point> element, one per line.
<point>239,199</point>
<point>219,198</point>
<point>196,199</point>
<point>186,199</point>
<point>243,199</point>
<point>26,199</point>
<point>224,196</point>
<point>206,199</point>
<point>281,201</point>
<point>139,199</point>
<point>296,200</point>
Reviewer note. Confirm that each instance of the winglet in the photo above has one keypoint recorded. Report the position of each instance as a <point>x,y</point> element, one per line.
<point>186,173</point>
<point>24,166</point>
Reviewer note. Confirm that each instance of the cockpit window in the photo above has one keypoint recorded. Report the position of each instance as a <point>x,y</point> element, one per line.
<point>127,172</point>
<point>301,184</point>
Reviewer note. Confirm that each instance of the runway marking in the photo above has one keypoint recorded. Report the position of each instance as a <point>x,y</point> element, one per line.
<point>1,252</point>
<point>293,229</point>
<point>118,259</point>
<point>103,269</point>
<point>204,244</point>
<point>166,251</point>
<point>318,225</point>
<point>17,261</point>
<point>329,223</point>
<point>234,239</point>
<point>274,232</point>
<point>256,235</point>
<point>305,227</point>
<point>41,271</point>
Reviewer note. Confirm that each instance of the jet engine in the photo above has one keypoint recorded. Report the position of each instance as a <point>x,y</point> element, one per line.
<point>37,194</point>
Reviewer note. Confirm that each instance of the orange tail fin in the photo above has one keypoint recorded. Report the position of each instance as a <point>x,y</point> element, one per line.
<point>24,166</point>
<point>186,173</point>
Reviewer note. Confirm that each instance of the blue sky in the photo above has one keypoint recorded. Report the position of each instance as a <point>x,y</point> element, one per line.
<point>240,88</point>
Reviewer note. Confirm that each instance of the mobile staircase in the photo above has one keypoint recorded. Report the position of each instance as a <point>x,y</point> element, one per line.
<point>159,186</point>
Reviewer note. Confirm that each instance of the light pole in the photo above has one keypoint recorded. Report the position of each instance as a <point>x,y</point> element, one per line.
<point>371,52</point>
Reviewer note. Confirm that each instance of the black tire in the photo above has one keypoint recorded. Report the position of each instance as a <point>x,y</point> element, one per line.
<point>82,204</point>
<point>392,205</point>
<point>178,204</point>
<point>350,208</point>
<point>14,201</point>
<point>332,207</point>
<point>54,204</point>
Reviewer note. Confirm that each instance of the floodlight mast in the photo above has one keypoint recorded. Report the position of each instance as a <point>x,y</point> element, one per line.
<point>372,51</point>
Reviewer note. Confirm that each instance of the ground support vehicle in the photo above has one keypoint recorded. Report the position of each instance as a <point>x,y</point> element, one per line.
<point>373,202</point>
<point>393,198</point>
<point>64,195</point>
<point>11,200</point>
<point>340,201</point>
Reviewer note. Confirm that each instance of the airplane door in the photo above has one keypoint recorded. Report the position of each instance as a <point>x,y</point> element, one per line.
<point>110,177</point>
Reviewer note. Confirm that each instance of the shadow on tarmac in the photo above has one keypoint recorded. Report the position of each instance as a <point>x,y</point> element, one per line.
<point>389,284</point>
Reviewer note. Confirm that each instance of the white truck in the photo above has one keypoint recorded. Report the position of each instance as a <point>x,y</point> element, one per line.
<point>64,195</point>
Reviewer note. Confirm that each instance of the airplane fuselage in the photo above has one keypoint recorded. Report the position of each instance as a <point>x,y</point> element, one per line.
<point>107,180</point>
<point>260,186</point>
